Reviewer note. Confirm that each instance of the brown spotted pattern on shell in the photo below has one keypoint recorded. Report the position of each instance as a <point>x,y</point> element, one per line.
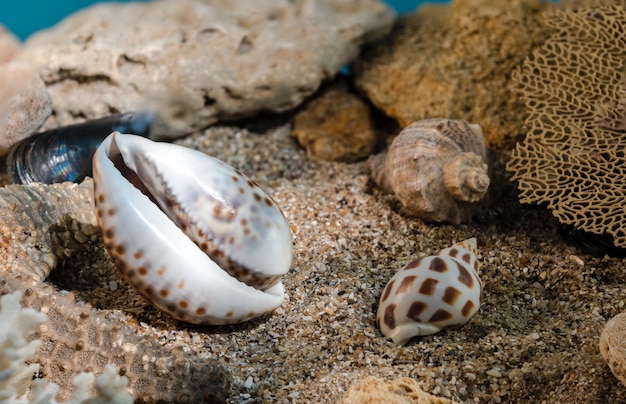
<point>431,294</point>
<point>437,169</point>
<point>193,235</point>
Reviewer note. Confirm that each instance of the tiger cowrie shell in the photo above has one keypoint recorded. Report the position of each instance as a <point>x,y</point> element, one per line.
<point>193,235</point>
<point>431,293</point>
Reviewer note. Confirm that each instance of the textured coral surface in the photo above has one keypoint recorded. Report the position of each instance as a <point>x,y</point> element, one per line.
<point>42,225</point>
<point>454,61</point>
<point>613,345</point>
<point>404,390</point>
<point>573,158</point>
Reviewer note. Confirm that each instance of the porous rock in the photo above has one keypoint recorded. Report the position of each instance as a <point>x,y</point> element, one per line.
<point>9,45</point>
<point>24,103</point>
<point>613,345</point>
<point>455,61</point>
<point>373,390</point>
<point>572,159</point>
<point>336,126</point>
<point>40,225</point>
<point>198,62</point>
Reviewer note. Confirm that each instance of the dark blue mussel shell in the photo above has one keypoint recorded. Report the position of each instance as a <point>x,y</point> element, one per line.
<point>65,153</point>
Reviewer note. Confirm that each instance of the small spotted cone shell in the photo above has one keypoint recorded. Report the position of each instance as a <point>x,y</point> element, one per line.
<point>436,168</point>
<point>431,294</point>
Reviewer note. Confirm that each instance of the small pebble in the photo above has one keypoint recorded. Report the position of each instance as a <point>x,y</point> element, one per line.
<point>574,259</point>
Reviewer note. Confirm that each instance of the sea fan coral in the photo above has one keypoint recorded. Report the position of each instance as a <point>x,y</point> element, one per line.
<point>573,159</point>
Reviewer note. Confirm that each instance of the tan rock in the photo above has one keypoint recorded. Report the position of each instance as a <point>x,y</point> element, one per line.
<point>336,126</point>
<point>454,61</point>
<point>199,62</point>
<point>9,45</point>
<point>24,103</point>
<point>404,390</point>
<point>613,345</point>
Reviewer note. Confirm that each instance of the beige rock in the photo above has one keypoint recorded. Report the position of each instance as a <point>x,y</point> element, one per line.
<point>24,103</point>
<point>404,390</point>
<point>9,45</point>
<point>199,62</point>
<point>613,345</point>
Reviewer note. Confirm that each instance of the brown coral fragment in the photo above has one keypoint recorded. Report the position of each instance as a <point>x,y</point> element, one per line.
<point>455,61</point>
<point>572,159</point>
<point>43,224</point>
<point>336,126</point>
<point>613,345</point>
<point>404,390</point>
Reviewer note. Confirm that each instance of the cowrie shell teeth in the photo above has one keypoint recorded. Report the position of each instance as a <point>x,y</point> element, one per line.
<point>431,294</point>
<point>161,206</point>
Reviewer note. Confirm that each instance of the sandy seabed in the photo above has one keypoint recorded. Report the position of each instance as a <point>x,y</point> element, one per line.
<point>535,338</point>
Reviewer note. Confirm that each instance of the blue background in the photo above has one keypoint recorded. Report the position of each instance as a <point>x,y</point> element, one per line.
<point>25,17</point>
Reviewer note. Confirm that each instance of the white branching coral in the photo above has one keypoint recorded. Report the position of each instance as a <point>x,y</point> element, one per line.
<point>16,323</point>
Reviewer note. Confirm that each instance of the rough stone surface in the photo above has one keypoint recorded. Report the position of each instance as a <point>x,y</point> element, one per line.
<point>198,62</point>
<point>24,103</point>
<point>404,390</point>
<point>9,45</point>
<point>572,159</point>
<point>454,61</point>
<point>336,126</point>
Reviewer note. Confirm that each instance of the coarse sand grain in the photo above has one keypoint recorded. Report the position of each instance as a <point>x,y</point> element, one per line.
<point>535,338</point>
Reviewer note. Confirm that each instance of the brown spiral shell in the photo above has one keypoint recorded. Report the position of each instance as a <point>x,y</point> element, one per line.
<point>436,168</point>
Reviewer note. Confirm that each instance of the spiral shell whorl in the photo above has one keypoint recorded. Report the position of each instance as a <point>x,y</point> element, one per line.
<point>435,168</point>
<point>466,178</point>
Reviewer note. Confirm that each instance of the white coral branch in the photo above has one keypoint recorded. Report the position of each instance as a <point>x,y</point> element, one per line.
<point>16,323</point>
